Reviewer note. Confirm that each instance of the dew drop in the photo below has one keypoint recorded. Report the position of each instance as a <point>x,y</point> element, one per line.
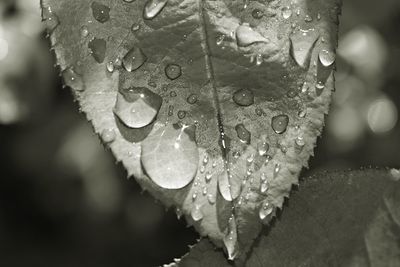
<point>181,114</point>
<point>279,123</point>
<point>208,177</point>
<point>265,210</point>
<point>326,60</point>
<point>110,66</point>
<point>135,27</point>
<point>72,79</point>
<point>173,71</point>
<point>108,135</point>
<point>192,99</point>
<point>157,149</point>
<point>286,12</point>
<point>194,196</point>
<point>259,59</point>
<point>50,18</point>
<point>196,213</point>
<point>243,134</point>
<point>205,159</point>
<point>264,187</point>
<point>230,239</point>
<point>243,97</point>
<point>262,148</point>
<point>250,158</point>
<point>98,49</point>
<point>84,31</point>
<point>134,59</point>
<point>202,169</point>
<point>257,13</point>
<point>204,190</point>
<point>153,7</point>
<point>277,169</point>
<point>302,43</point>
<point>100,12</point>
<point>220,39</point>
<point>137,107</point>
<point>308,18</point>
<point>246,36</point>
<point>211,199</point>
<point>170,110</point>
<point>300,141</point>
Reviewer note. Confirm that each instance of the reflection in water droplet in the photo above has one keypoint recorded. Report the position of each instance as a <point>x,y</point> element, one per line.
<point>196,213</point>
<point>153,7</point>
<point>265,210</point>
<point>50,18</point>
<point>98,49</point>
<point>243,134</point>
<point>192,99</point>
<point>108,135</point>
<point>100,12</point>
<point>302,43</point>
<point>157,149</point>
<point>243,97</point>
<point>173,71</point>
<point>137,107</point>
<point>246,36</point>
<point>279,123</point>
<point>134,59</point>
<point>73,80</point>
<point>230,239</point>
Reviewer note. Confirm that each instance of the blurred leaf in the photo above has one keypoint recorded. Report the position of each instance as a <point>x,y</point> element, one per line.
<point>336,219</point>
<point>244,85</point>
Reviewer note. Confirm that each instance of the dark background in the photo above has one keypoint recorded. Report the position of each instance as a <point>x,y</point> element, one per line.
<point>64,201</point>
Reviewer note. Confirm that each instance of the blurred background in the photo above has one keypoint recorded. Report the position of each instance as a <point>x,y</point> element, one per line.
<point>64,201</point>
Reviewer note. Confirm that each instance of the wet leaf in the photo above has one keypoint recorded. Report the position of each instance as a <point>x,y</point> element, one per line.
<point>336,219</point>
<point>231,71</point>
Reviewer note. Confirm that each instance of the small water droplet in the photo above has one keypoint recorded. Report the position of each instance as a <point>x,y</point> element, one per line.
<point>230,239</point>
<point>277,169</point>
<point>286,12</point>
<point>84,31</point>
<point>153,7</point>
<point>137,107</point>
<point>173,71</point>
<point>302,113</point>
<point>170,110</point>
<point>246,36</point>
<point>243,134</point>
<point>72,79</point>
<point>262,148</point>
<point>220,39</point>
<point>134,59</point>
<point>196,213</point>
<point>308,18</point>
<point>50,18</point>
<point>243,97</point>
<point>265,210</point>
<point>236,154</point>
<point>259,59</point>
<point>211,199</point>
<point>98,49</point>
<point>279,123</point>
<point>205,159</point>
<point>135,27</point>
<point>110,66</point>
<point>108,135</point>
<point>194,196</point>
<point>257,13</point>
<point>100,12</point>
<point>181,114</point>
<point>300,141</point>
<point>192,99</point>
<point>250,158</point>
<point>208,177</point>
<point>172,94</point>
<point>204,190</point>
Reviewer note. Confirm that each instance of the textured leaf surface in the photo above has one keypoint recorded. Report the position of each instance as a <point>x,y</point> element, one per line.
<point>213,106</point>
<point>336,219</point>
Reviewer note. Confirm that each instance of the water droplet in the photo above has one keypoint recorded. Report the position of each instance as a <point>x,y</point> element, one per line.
<point>205,159</point>
<point>202,169</point>
<point>110,66</point>
<point>259,59</point>
<point>135,27</point>
<point>257,13</point>
<point>265,210</point>
<point>134,59</point>
<point>302,43</point>
<point>178,212</point>
<point>220,39</point>
<point>277,169</point>
<point>172,94</point>
<point>243,97</point>
<point>170,110</point>
<point>262,148</point>
<point>300,141</point>
<point>50,18</point>
<point>214,164</point>
<point>230,239</point>
<point>157,149</point>
<point>211,199</point>
<point>302,113</point>
<point>173,71</point>
<point>286,12</point>
<point>264,187</point>
<point>204,190</point>
<point>246,36</point>
<point>279,123</point>
<point>137,107</point>
<point>98,49</point>
<point>243,134</point>
<point>194,196</point>
<point>250,158</point>
<point>108,135</point>
<point>72,79</point>
<point>326,60</point>
<point>208,177</point>
<point>153,8</point>
<point>84,31</point>
<point>308,18</point>
<point>259,111</point>
<point>192,99</point>
<point>196,213</point>
<point>236,154</point>
<point>100,12</point>
<point>181,114</point>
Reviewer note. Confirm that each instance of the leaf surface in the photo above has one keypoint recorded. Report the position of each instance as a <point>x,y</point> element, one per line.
<point>213,106</point>
<point>336,219</point>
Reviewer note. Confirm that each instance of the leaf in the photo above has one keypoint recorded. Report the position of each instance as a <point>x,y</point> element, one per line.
<point>244,87</point>
<point>336,219</point>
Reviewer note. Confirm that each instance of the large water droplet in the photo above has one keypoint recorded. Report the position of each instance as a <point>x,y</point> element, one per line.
<point>243,134</point>
<point>265,210</point>
<point>157,149</point>
<point>98,49</point>
<point>279,123</point>
<point>230,239</point>
<point>196,213</point>
<point>326,60</point>
<point>72,79</point>
<point>137,107</point>
<point>100,12</point>
<point>173,71</point>
<point>243,97</point>
<point>134,59</point>
<point>302,43</point>
<point>246,36</point>
<point>153,8</point>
